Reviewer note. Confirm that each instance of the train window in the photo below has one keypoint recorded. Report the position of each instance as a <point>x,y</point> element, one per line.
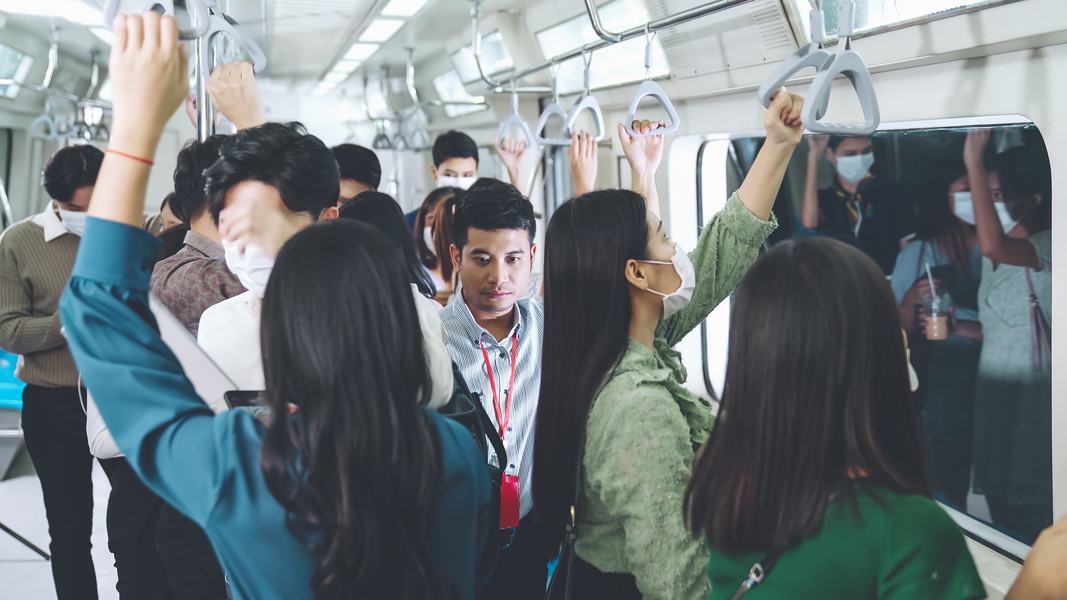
<point>495,58</point>
<point>14,65</point>
<point>450,88</point>
<point>873,15</point>
<point>604,69</point>
<point>980,339</point>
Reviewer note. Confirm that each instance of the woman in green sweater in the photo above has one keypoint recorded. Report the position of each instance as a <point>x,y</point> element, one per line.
<point>815,469</point>
<point>616,291</point>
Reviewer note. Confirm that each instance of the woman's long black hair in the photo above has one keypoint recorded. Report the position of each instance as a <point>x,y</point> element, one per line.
<point>587,316</point>
<point>936,221</point>
<point>358,461</point>
<point>381,211</point>
<point>816,398</point>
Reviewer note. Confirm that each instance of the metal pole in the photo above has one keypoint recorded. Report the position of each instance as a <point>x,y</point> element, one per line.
<point>205,114</point>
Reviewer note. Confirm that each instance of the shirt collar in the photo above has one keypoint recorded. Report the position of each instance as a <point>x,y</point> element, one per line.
<point>475,332</point>
<point>204,245</point>
<point>49,221</point>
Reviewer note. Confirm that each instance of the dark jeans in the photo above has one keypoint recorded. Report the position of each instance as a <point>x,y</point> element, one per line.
<point>53,426</point>
<point>192,569</point>
<point>132,515</point>
<point>521,570</point>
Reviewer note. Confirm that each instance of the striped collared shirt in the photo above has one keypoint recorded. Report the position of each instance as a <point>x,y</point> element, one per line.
<point>465,341</point>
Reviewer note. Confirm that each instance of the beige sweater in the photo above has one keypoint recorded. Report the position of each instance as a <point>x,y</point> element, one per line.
<point>36,259</point>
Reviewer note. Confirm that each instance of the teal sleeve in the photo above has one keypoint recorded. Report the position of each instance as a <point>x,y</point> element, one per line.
<point>925,556</point>
<point>727,247</point>
<point>182,451</point>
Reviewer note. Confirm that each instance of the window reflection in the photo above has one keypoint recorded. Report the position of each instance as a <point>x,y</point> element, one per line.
<point>959,220</point>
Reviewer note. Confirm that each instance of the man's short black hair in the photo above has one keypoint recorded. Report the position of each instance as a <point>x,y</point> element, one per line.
<point>283,156</point>
<point>71,168</point>
<point>454,144</point>
<point>491,206</point>
<point>190,199</point>
<point>358,164</point>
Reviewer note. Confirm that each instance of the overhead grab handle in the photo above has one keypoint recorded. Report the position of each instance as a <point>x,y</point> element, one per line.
<point>555,109</point>
<point>848,63</point>
<point>514,119</point>
<point>587,102</point>
<point>223,24</point>
<point>198,15</point>
<point>811,55</point>
<point>651,89</point>
<point>381,141</point>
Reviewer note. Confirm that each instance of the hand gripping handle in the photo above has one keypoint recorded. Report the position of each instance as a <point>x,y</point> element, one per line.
<point>810,55</point>
<point>198,15</point>
<point>587,102</point>
<point>653,90</point>
<point>225,25</point>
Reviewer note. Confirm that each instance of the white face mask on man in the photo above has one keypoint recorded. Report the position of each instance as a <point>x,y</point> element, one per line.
<point>679,298</point>
<point>427,238</point>
<point>463,183</point>
<point>963,206</point>
<point>252,267</point>
<point>73,221</point>
<point>854,168</point>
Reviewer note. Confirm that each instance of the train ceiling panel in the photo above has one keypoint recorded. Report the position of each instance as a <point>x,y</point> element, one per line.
<point>306,35</point>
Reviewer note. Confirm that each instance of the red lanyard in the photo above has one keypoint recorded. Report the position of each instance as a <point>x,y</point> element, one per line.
<point>505,418</point>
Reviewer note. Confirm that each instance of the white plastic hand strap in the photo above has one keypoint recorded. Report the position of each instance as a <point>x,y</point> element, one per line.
<point>514,119</point>
<point>225,25</point>
<point>651,89</point>
<point>555,109</point>
<point>588,102</point>
<point>198,15</point>
<point>381,141</point>
<point>811,55</point>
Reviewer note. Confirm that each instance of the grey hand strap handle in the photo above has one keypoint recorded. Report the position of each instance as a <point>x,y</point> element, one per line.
<point>811,55</point>
<point>222,24</point>
<point>198,15</point>
<point>651,89</point>
<point>514,119</point>
<point>588,102</point>
<point>555,109</point>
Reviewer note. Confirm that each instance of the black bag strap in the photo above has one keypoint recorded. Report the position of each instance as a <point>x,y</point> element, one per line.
<point>758,573</point>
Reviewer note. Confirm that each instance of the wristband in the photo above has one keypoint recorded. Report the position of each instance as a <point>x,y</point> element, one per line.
<point>131,157</point>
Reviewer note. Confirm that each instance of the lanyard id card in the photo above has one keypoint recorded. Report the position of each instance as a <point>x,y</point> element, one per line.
<point>509,502</point>
<point>509,486</point>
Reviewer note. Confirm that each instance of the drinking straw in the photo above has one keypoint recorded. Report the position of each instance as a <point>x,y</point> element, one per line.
<point>937,300</point>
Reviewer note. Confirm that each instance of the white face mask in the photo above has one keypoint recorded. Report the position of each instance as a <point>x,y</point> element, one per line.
<point>1004,214</point>
<point>853,168</point>
<point>963,207</point>
<point>463,183</point>
<point>252,268</point>
<point>73,221</point>
<point>913,377</point>
<point>679,298</point>
<point>427,238</point>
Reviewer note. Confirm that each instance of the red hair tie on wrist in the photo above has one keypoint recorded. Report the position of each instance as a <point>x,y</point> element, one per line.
<point>131,157</point>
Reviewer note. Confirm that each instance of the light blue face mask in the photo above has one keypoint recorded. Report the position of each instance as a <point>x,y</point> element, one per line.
<point>963,206</point>
<point>854,168</point>
<point>73,221</point>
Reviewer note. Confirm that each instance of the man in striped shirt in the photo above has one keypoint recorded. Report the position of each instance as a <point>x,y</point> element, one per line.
<point>495,338</point>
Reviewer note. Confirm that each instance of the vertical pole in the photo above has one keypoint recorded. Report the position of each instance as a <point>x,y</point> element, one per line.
<point>205,113</point>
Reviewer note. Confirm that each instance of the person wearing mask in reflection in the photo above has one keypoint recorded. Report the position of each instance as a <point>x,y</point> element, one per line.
<point>423,234</point>
<point>455,165</point>
<point>946,351</point>
<point>36,259</point>
<point>1013,402</point>
<point>874,213</point>
<point>270,182</point>
<point>619,294</point>
<point>830,495</point>
<point>360,170</point>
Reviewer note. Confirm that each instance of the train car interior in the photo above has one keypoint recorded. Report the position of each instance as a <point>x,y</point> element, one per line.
<point>908,94</point>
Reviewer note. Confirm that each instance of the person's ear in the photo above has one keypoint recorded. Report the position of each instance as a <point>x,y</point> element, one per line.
<point>328,214</point>
<point>456,254</point>
<point>533,255</point>
<point>433,171</point>
<point>635,275</point>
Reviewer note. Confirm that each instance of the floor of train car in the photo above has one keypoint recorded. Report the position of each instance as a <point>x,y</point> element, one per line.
<point>26,575</point>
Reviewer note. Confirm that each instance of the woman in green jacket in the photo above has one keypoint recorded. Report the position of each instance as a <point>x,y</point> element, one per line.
<point>616,300</point>
<point>815,471</point>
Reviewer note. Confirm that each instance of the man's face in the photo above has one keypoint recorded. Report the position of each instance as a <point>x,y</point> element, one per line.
<point>350,188</point>
<point>849,147</point>
<point>456,167</point>
<point>265,197</point>
<point>79,200</point>
<point>494,268</point>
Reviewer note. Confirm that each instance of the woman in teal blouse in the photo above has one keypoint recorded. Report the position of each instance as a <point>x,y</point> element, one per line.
<point>609,368</point>
<point>815,469</point>
<point>360,492</point>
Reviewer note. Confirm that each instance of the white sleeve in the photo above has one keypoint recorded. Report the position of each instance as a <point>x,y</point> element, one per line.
<point>101,444</point>
<point>438,360</point>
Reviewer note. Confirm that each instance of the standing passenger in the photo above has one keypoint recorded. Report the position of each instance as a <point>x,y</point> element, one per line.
<point>830,495</point>
<point>495,338</point>
<point>619,294</point>
<point>874,213</point>
<point>360,170</point>
<point>360,492</point>
<point>427,234</point>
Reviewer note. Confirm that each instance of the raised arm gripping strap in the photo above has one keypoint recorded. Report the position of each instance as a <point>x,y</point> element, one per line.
<point>225,25</point>
<point>198,15</point>
<point>588,102</point>
<point>514,119</point>
<point>849,64</point>
<point>810,55</point>
<point>652,90</point>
